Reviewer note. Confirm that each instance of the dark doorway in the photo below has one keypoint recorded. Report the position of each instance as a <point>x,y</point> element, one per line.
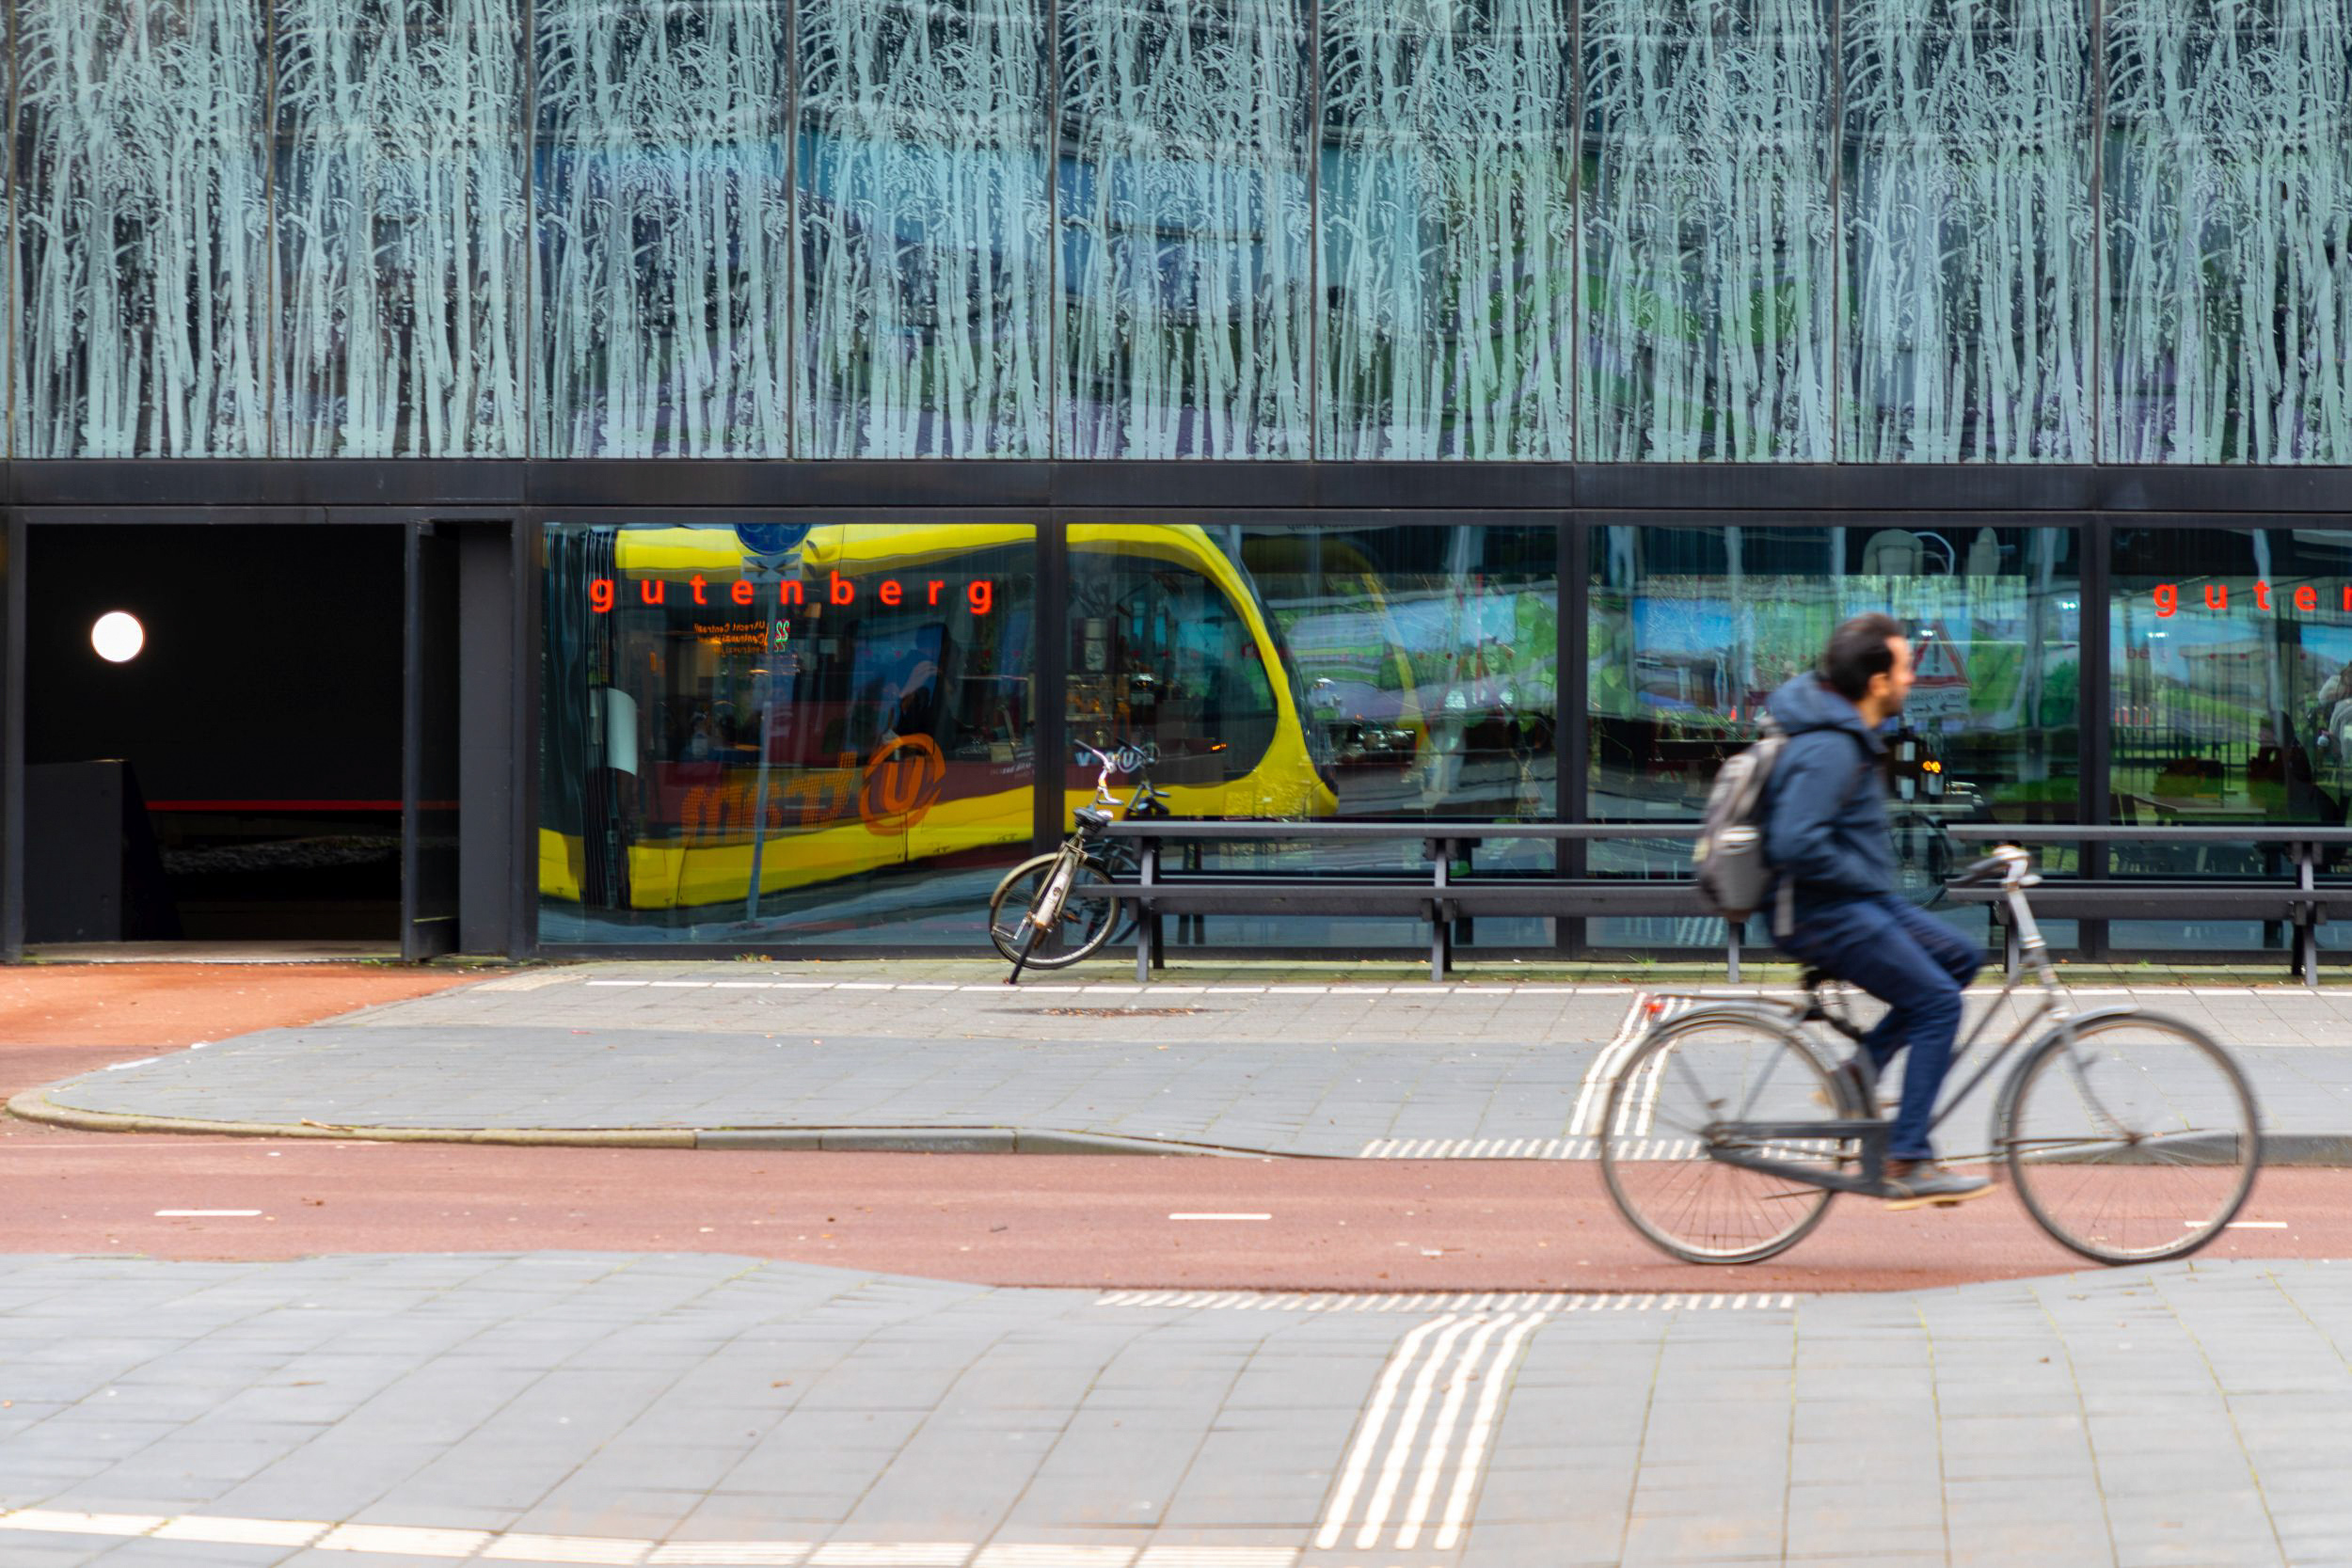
<point>259,726</point>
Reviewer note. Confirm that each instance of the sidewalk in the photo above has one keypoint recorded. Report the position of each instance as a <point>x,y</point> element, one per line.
<point>665,1410</point>
<point>941,1055</point>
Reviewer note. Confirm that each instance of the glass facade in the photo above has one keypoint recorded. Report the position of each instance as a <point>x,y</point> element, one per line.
<point>1692,630</point>
<point>2027,231</point>
<point>775,734</point>
<point>2233,694</point>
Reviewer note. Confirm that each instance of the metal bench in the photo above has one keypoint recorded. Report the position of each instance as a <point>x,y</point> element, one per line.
<point>1437,896</point>
<point>2298,901</point>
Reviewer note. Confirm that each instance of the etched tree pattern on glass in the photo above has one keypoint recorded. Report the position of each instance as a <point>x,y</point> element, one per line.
<point>1447,229</point>
<point>1184,229</point>
<point>924,292</point>
<point>400,207</point>
<point>141,230</point>
<point>2228,232</point>
<point>1708,231</point>
<point>1968,231</point>
<point>663,229</point>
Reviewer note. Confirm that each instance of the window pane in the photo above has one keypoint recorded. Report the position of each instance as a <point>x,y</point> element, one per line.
<point>1692,629</point>
<point>1968,211</point>
<point>864,691</point>
<point>923,212</point>
<point>1299,673</point>
<point>662,225</point>
<point>1427,659</point>
<point>1448,229</point>
<point>2232,683</point>
<point>141,230</point>
<point>1184,224</point>
<point>2229,194</point>
<point>1708,231</point>
<point>400,229</point>
<point>2232,705</point>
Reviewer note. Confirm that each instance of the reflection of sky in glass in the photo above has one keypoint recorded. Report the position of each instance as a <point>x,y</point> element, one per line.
<point>2175,643</point>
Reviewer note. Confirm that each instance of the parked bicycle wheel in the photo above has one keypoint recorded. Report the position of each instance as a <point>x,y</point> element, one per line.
<point>2136,1142</point>
<point>1661,1145</point>
<point>1083,926</point>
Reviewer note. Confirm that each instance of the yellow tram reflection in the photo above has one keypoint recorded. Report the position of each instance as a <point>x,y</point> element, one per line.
<point>885,676</point>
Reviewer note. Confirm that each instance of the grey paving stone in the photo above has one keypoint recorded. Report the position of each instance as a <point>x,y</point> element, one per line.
<point>1010,1416</point>
<point>1322,1074</point>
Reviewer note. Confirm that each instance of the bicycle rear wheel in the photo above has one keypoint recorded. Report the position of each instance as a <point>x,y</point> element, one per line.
<point>1084,926</point>
<point>1664,1132</point>
<point>2135,1143</point>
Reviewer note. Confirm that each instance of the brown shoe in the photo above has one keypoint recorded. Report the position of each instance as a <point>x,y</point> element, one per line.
<point>1918,1184</point>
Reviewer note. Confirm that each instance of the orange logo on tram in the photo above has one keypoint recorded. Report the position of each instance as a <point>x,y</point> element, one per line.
<point>903,783</point>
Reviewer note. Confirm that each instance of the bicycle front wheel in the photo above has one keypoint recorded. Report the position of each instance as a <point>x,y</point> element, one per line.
<point>1081,928</point>
<point>2137,1141</point>
<point>1676,1110</point>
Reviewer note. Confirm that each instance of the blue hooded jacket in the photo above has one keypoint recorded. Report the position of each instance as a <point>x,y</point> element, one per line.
<point>1825,811</point>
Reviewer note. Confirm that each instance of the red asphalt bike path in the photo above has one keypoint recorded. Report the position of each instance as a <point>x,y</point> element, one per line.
<point>1039,1220</point>
<point>1042,1220</point>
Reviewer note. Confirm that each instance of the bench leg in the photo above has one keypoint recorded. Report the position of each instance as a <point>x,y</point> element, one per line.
<point>2307,952</point>
<point>1440,948</point>
<point>1159,942</point>
<point>1143,946</point>
<point>1731,950</point>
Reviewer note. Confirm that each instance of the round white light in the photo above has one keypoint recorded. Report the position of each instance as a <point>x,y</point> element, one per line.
<point>117,637</point>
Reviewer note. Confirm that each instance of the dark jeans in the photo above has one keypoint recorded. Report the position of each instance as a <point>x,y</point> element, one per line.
<point>1918,966</point>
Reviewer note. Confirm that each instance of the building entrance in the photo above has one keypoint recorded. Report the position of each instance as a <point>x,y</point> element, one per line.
<point>213,732</point>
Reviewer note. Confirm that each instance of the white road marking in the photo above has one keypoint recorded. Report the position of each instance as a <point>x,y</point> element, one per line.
<point>1482,1428</point>
<point>1368,1435</point>
<point>1441,1436</point>
<point>207,1213</point>
<point>1430,1301</point>
<point>404,1541</point>
<point>566,1548</point>
<point>537,980</point>
<point>1054,1557</point>
<point>518,1547</point>
<point>1407,1431</point>
<point>1591,1096</point>
<point>1220,1217</point>
<point>1486,1354</point>
<point>67,1521</point>
<point>244,1533</point>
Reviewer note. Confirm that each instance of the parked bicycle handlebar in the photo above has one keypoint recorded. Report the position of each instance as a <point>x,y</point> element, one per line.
<point>2009,863</point>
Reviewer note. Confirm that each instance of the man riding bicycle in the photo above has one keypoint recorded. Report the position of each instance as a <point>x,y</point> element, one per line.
<point>1826,832</point>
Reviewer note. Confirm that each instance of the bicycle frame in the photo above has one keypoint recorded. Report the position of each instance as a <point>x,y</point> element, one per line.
<point>2052,1003</point>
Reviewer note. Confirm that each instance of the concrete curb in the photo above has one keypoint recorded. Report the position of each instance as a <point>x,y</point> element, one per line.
<point>2323,1150</point>
<point>36,1106</point>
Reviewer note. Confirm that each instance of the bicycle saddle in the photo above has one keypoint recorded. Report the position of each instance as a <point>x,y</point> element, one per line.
<point>1092,819</point>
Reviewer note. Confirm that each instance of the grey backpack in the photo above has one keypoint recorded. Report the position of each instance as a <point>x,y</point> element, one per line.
<point>1733,875</point>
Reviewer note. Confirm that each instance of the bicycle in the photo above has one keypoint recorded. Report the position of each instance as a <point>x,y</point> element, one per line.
<point>1054,910</point>
<point>2131,1137</point>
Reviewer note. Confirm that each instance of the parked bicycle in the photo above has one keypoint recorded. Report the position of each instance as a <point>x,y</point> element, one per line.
<point>2131,1137</point>
<point>1054,911</point>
